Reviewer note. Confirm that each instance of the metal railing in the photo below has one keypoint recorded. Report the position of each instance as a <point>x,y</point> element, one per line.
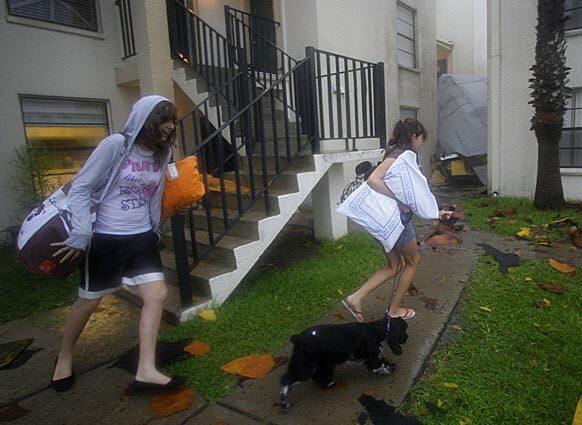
<point>126,25</point>
<point>257,138</point>
<point>257,36</point>
<point>201,47</point>
<point>350,101</point>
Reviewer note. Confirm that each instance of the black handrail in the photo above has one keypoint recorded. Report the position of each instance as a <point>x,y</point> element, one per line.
<point>259,137</point>
<point>250,15</point>
<point>265,59</point>
<point>199,46</point>
<point>351,101</point>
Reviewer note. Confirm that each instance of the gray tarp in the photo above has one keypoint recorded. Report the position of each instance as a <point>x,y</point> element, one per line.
<point>462,111</point>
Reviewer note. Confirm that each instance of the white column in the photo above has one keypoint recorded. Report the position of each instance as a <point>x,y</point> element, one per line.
<point>327,222</point>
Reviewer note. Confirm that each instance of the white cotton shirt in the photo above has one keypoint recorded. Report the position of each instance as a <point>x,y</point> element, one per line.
<point>125,209</point>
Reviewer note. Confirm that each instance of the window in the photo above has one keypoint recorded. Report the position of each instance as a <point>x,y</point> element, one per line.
<point>63,132</point>
<point>73,13</point>
<point>408,113</point>
<point>405,36</point>
<point>573,10</point>
<point>571,143</point>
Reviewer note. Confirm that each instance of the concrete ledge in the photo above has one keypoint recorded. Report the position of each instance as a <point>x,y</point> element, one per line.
<point>127,75</point>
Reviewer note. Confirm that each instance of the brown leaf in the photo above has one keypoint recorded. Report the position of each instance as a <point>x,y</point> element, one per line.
<point>412,290</point>
<point>197,348</point>
<point>533,362</point>
<point>456,327</point>
<point>339,316</point>
<point>253,366</point>
<point>551,287</point>
<point>430,303</point>
<point>510,212</point>
<point>12,412</point>
<point>441,240</point>
<point>562,267</point>
<point>380,297</point>
<point>172,402</point>
<point>576,236</point>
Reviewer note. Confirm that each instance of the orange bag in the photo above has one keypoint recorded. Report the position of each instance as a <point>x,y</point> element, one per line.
<point>182,190</point>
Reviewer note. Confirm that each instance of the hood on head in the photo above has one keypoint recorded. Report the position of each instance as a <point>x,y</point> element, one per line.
<point>139,114</point>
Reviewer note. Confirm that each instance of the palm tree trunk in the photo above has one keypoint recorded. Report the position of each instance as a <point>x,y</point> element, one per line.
<point>549,193</point>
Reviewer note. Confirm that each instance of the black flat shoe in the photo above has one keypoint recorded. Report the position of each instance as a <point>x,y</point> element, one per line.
<point>140,386</point>
<point>63,384</point>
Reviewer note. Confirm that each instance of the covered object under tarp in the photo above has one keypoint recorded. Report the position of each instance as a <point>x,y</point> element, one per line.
<point>462,112</point>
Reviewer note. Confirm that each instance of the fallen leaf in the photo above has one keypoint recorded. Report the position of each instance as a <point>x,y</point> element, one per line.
<point>197,348</point>
<point>196,298</point>
<point>253,366</point>
<point>509,212</point>
<point>380,297</point>
<point>430,303</point>
<point>339,247</point>
<point>551,287</point>
<point>412,290</point>
<point>562,267</point>
<point>439,403</point>
<point>219,422</point>
<point>12,412</point>
<point>208,314</point>
<point>339,291</point>
<point>288,308</point>
<point>466,421</point>
<point>528,279</point>
<point>486,309</point>
<point>456,327</point>
<point>539,304</point>
<point>451,385</point>
<point>172,402</point>
<point>339,316</point>
<point>533,362</point>
<point>572,249</point>
<point>440,240</point>
<point>524,232</point>
<point>537,325</point>
<point>546,302</point>
<point>551,329</point>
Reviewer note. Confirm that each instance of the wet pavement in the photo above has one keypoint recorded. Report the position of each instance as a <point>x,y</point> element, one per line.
<point>98,394</point>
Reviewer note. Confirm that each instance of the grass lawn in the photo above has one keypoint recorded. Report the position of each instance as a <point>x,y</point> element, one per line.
<point>478,210</point>
<point>519,363</point>
<point>24,293</point>
<point>277,304</point>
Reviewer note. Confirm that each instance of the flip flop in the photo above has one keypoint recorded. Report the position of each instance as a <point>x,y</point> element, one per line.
<point>408,314</point>
<point>353,311</point>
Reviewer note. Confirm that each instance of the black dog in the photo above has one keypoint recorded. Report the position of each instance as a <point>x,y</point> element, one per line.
<point>318,350</point>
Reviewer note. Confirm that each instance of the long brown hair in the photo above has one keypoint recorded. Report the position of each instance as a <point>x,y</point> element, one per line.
<point>402,134</point>
<point>150,136</point>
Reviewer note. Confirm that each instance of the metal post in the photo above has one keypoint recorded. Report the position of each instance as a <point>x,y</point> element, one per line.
<point>180,252</point>
<point>381,103</point>
<point>312,100</point>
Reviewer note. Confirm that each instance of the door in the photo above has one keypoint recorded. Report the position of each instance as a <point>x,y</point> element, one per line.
<point>264,55</point>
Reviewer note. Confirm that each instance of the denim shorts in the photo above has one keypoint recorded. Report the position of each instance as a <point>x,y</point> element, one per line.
<point>408,234</point>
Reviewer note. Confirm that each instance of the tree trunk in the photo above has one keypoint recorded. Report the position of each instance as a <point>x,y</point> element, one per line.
<point>549,193</point>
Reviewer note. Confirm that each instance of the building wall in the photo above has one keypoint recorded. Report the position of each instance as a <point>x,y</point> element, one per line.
<point>512,146</point>
<point>464,23</point>
<point>39,60</point>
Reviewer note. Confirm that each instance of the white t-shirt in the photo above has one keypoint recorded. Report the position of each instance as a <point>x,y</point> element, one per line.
<point>125,209</point>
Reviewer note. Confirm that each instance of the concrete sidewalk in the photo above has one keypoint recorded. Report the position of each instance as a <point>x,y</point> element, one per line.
<point>96,397</point>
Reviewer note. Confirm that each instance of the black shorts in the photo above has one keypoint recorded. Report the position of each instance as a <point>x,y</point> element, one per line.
<point>116,260</point>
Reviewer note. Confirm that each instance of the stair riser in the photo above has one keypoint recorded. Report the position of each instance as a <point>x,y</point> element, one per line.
<point>245,229</point>
<point>301,164</point>
<point>231,202</point>
<point>217,255</point>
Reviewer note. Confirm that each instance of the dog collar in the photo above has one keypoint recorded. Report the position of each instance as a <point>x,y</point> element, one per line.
<point>388,323</point>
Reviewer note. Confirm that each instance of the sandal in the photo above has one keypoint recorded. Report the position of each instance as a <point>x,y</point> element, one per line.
<point>408,314</point>
<point>355,313</point>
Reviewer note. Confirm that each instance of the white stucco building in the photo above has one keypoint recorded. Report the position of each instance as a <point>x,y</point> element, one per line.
<point>462,37</point>
<point>512,146</point>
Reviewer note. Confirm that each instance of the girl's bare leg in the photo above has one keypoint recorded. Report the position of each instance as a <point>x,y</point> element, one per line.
<point>78,317</point>
<point>411,260</point>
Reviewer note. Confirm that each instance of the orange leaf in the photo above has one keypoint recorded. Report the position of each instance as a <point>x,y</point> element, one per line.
<point>380,297</point>
<point>440,240</point>
<point>551,287</point>
<point>253,366</point>
<point>172,402</point>
<point>197,348</point>
<point>562,267</point>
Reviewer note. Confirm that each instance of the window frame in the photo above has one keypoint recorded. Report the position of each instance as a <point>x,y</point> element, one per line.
<point>577,10</point>
<point>572,109</point>
<point>97,15</point>
<point>61,148</point>
<point>415,34</point>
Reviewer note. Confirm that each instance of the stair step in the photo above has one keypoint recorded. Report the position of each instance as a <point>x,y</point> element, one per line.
<point>200,275</point>
<point>246,227</point>
<point>215,199</point>
<point>223,251</point>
